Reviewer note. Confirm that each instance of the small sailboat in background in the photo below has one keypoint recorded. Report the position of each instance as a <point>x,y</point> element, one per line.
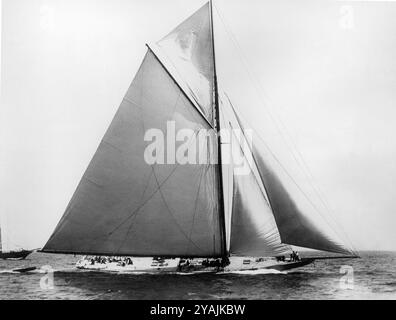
<point>12,254</point>
<point>202,211</point>
<point>15,255</point>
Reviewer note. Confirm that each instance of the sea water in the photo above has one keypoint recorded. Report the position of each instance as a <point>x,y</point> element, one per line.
<point>371,277</point>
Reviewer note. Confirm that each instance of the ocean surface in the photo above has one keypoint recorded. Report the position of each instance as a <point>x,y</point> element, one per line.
<point>371,277</point>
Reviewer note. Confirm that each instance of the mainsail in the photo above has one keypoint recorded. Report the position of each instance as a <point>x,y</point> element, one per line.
<point>125,205</point>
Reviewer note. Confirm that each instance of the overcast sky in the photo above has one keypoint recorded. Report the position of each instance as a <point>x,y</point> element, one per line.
<point>320,76</point>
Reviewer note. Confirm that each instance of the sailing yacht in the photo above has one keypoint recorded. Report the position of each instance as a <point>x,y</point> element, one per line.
<point>194,211</point>
<point>12,254</point>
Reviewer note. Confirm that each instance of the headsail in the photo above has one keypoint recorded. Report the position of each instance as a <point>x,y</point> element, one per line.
<point>123,205</point>
<point>252,231</point>
<point>294,225</point>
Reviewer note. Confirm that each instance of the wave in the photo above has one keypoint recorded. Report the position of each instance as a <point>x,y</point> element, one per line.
<point>255,272</point>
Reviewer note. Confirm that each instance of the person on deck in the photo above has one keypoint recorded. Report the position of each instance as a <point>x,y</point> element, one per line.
<point>293,256</point>
<point>297,257</point>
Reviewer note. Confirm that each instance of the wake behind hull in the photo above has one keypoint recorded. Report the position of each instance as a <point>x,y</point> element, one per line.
<point>15,255</point>
<point>291,265</point>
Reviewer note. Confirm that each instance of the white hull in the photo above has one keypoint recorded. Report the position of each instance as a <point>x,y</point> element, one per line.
<point>147,265</point>
<point>139,265</point>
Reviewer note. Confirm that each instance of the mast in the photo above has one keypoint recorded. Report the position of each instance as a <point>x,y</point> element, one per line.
<point>217,126</point>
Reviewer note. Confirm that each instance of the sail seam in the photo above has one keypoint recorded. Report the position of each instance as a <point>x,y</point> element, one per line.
<point>133,219</point>
<point>131,102</point>
<point>171,214</point>
<point>195,205</point>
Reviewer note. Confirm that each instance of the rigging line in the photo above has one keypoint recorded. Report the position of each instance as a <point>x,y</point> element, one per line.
<point>148,199</point>
<point>305,170</point>
<point>251,76</point>
<point>204,171</point>
<point>172,216</point>
<point>134,104</point>
<point>289,175</point>
<point>261,191</point>
<point>133,219</point>
<point>134,214</point>
<point>195,42</point>
<point>327,205</point>
<point>209,149</point>
<point>176,104</point>
<point>192,50</point>
<point>215,94</point>
<point>198,107</point>
<point>136,211</point>
<point>302,164</point>
<point>144,203</point>
<point>266,196</point>
<point>300,189</point>
<point>65,215</point>
<point>314,206</point>
<point>230,175</point>
<point>281,134</point>
<point>155,191</point>
<point>315,187</point>
<point>247,69</point>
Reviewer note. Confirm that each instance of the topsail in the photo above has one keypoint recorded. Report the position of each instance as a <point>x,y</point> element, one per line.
<point>187,52</point>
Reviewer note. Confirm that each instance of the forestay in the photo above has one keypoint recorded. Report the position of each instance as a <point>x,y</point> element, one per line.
<point>252,231</point>
<point>298,221</point>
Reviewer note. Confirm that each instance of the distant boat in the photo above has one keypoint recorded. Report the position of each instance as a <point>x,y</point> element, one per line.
<point>125,206</point>
<point>13,254</point>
